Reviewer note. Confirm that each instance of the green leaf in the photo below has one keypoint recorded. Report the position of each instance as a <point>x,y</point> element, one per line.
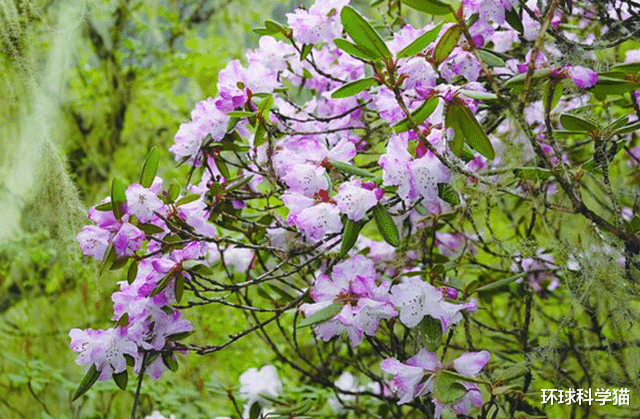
<point>431,333</point>
<point>149,168</point>
<point>222,167</point>
<point>239,184</point>
<point>179,336</point>
<point>187,199</point>
<point>419,115</point>
<point>617,124</point>
<point>118,198</point>
<point>473,133</point>
<point>149,228</point>
<point>266,104</point>
<point>532,173</point>
<point>430,7</point>
<point>274,26</point>
<point>556,93</point>
<point>89,379</point>
<point>132,272</point>
<point>118,263</point>
<point>613,86</point>
<point>255,410</point>
<point>284,295</point>
<point>420,43</point>
<point>169,361</point>
<point>350,169</point>
<point>452,120</point>
<point>107,206</point>
<point>260,135</point>
<point>574,123</point>
<point>634,224</point>
<point>353,88</point>
<point>517,82</point>
<point>354,50</point>
<point>627,68</point>
<point>121,379</point>
<point>123,321</point>
<point>350,235</point>
<point>162,285</point>
<point>514,19</point>
<point>323,315</point>
<point>240,114</point>
<point>491,59</point>
<point>448,194</point>
<point>306,50</point>
<point>447,389</point>
<point>446,44</point>
<point>173,192</point>
<point>499,283</point>
<point>387,228</point>
<point>179,290</point>
<point>484,96</point>
<point>634,126</point>
<point>363,33</point>
<point>264,31</point>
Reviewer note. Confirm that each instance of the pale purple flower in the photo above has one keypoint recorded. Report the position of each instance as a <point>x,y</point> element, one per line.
<point>583,77</point>
<point>94,241</point>
<point>354,201</point>
<point>103,348</point>
<point>142,203</point>
<point>128,239</point>
<point>409,377</point>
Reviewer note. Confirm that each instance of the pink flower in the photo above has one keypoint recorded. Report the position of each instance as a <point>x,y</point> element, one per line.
<point>583,77</point>
<point>94,241</point>
<point>103,348</point>
<point>128,239</point>
<point>354,200</point>
<point>142,203</point>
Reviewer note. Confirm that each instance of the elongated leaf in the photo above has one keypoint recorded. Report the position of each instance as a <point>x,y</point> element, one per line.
<point>363,33</point>
<point>350,236</point>
<point>532,173</point>
<point>556,93</point>
<point>149,228</point>
<point>260,135</point>
<point>446,44</point>
<point>499,283</point>
<point>448,194</point>
<point>350,169</point>
<point>474,133</point>
<point>484,96</point>
<point>491,59</point>
<point>179,290</point>
<point>240,114</point>
<point>222,167</point>
<point>387,228</point>
<point>419,115</point>
<point>431,333</point>
<point>452,120</point>
<point>613,86</point>
<point>118,198</point>
<point>107,206</point>
<point>89,379</point>
<point>517,82</point>
<point>273,26</point>
<point>306,50</point>
<point>627,68</point>
<point>354,50</point>
<point>266,104</point>
<point>574,123</point>
<point>430,7</point>
<point>634,126</point>
<point>420,43</point>
<point>320,316</point>
<point>187,199</point>
<point>617,124</point>
<point>121,379</point>
<point>353,88</point>
<point>448,389</point>
<point>513,18</point>
<point>173,192</point>
<point>169,361</point>
<point>132,272</point>
<point>262,31</point>
<point>149,168</point>
<point>255,410</point>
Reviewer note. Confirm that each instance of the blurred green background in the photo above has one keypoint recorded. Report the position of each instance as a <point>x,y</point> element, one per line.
<point>86,89</point>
